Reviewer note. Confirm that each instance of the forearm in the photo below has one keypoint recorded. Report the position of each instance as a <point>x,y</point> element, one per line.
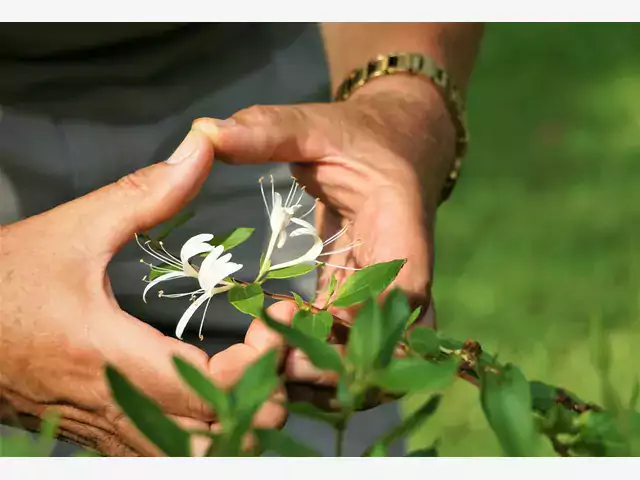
<point>410,105</point>
<point>453,45</point>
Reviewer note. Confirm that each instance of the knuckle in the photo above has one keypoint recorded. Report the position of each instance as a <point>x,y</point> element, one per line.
<point>258,114</point>
<point>134,183</point>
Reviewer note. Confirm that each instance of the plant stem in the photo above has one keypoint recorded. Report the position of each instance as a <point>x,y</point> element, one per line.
<point>340,431</point>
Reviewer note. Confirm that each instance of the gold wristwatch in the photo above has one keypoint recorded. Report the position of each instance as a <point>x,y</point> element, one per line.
<point>417,64</point>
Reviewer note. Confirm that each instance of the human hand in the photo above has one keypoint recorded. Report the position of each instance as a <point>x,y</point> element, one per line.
<point>377,161</point>
<point>61,323</point>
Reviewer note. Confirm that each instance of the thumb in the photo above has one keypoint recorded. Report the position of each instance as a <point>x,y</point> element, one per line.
<point>262,134</point>
<point>110,216</point>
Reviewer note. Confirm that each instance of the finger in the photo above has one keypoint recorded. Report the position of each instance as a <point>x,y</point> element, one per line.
<point>262,338</point>
<point>146,357</point>
<point>262,134</point>
<point>298,368</point>
<point>228,366</point>
<point>109,217</point>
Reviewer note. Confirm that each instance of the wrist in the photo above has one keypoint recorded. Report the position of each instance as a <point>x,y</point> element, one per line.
<point>410,115</point>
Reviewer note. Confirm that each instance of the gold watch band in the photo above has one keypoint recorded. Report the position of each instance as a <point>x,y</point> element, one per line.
<point>417,64</point>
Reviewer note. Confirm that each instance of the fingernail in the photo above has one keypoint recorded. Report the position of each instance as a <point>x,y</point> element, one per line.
<point>212,125</point>
<point>187,149</point>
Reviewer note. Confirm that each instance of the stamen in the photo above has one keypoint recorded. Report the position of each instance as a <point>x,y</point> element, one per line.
<point>291,190</point>
<point>336,236</point>
<point>173,257</point>
<point>156,255</point>
<point>310,210</point>
<point>341,250</point>
<point>338,266</point>
<point>301,195</point>
<point>203,315</point>
<point>264,198</point>
<point>273,191</point>
<point>178,295</point>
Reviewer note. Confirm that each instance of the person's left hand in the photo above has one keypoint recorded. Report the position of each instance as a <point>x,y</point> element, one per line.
<point>377,161</point>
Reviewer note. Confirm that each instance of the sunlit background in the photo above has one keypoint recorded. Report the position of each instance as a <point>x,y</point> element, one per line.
<point>542,235</point>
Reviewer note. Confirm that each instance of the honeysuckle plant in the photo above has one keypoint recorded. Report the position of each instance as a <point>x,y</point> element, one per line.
<point>388,354</point>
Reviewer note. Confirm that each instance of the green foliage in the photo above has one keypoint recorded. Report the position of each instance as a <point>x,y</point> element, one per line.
<point>316,325</point>
<point>290,272</point>
<point>232,239</point>
<point>281,443</point>
<point>424,341</point>
<point>410,375</point>
<point>215,397</point>
<point>22,444</point>
<point>369,282</point>
<point>321,354</point>
<point>506,402</point>
<point>147,416</point>
<point>386,357</point>
<point>247,299</point>
<point>408,425</point>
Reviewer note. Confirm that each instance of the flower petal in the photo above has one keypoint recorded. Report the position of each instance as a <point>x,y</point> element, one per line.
<point>186,316</point>
<point>309,256</point>
<point>282,238</point>
<point>303,223</point>
<point>162,278</point>
<point>213,269</point>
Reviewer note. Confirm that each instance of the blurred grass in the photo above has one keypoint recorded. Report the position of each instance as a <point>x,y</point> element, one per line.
<point>543,231</point>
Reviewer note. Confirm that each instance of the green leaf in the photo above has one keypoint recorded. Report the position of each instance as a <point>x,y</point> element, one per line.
<point>214,396</point>
<point>424,341</point>
<point>395,312</point>
<point>635,394</point>
<point>148,417</point>
<point>279,442</point>
<point>366,337</point>
<point>308,410</point>
<point>450,344</point>
<point>248,299</point>
<point>409,374</point>
<point>299,300</point>
<point>379,450</point>
<point>414,316</point>
<point>431,451</point>
<point>155,273</point>
<point>506,402</point>
<point>370,281</point>
<point>174,223</point>
<point>316,325</point>
<point>231,239</point>
<point>321,354</point>
<point>255,387</point>
<point>290,272</point>
<point>600,436</point>
<point>331,288</point>
<point>409,425</point>
<point>19,444</point>
<point>49,425</point>
<point>543,396</point>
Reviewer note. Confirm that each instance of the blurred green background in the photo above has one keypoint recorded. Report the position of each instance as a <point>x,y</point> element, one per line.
<point>543,230</point>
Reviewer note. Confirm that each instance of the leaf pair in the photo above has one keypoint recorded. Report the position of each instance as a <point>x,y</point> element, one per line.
<point>234,409</point>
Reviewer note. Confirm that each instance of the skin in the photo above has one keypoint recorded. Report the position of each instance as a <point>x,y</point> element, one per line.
<point>61,322</point>
<point>377,161</point>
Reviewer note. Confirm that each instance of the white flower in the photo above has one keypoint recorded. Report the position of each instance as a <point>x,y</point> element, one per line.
<point>213,271</point>
<point>211,275</point>
<point>281,215</point>
<point>179,268</point>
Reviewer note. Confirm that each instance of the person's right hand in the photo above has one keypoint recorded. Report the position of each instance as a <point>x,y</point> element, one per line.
<point>60,321</point>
